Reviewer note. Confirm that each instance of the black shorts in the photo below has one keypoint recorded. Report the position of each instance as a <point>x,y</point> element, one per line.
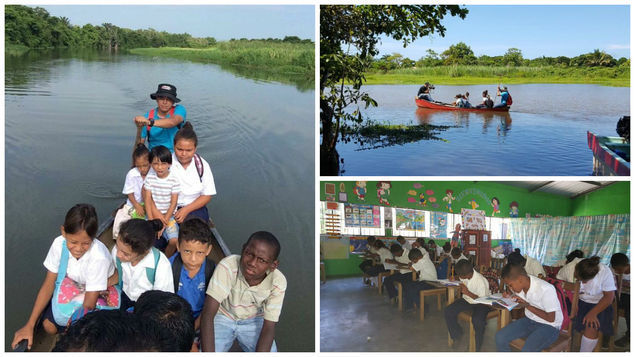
<point>48,315</point>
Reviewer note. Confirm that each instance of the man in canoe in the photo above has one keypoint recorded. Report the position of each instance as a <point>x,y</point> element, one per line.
<point>159,125</point>
<point>424,92</point>
<point>505,97</point>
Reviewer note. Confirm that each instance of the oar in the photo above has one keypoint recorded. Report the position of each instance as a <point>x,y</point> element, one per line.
<point>21,346</point>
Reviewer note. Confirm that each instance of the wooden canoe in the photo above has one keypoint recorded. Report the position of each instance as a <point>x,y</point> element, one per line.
<point>422,103</point>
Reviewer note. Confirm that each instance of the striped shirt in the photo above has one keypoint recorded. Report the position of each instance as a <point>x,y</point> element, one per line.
<point>238,300</point>
<point>162,189</point>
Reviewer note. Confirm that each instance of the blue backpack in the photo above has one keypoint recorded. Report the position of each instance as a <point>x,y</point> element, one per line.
<point>150,272</point>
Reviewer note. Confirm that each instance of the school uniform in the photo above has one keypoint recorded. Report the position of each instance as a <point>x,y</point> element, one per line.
<point>454,261</point>
<point>192,289</point>
<point>244,308</point>
<point>367,263</point>
<point>538,332</point>
<point>135,280</point>
<point>534,267</point>
<point>402,276</point>
<point>426,271</point>
<point>133,184</point>
<point>406,246</point>
<point>439,250</point>
<point>193,185</point>
<point>567,271</point>
<point>384,254</point>
<point>591,293</point>
<point>476,285</point>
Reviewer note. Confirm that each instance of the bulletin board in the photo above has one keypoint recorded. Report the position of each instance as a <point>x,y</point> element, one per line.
<point>439,225</point>
<point>410,219</point>
<point>473,219</point>
<point>364,216</point>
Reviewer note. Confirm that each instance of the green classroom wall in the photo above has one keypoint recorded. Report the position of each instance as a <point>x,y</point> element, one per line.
<point>612,199</point>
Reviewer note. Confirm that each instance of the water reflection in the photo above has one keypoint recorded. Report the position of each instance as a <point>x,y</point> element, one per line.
<point>503,120</point>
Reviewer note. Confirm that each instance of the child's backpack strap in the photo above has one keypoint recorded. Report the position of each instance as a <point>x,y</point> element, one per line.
<point>61,270</point>
<point>151,272</point>
<point>119,272</point>
<point>177,265</point>
<point>151,116</point>
<point>562,299</point>
<point>198,162</point>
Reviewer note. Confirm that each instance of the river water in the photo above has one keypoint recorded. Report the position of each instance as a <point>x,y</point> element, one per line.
<point>543,134</point>
<point>68,138</point>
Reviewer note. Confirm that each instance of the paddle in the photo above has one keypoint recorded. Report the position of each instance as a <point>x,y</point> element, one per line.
<point>21,346</point>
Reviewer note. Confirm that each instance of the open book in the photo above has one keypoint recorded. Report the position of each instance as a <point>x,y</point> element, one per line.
<point>447,282</point>
<point>498,299</point>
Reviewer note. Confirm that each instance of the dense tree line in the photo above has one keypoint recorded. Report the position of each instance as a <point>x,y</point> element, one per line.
<point>34,27</point>
<point>462,54</point>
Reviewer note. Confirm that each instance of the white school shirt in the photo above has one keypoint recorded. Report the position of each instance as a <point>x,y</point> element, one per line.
<point>162,189</point>
<point>566,272</point>
<point>135,281</point>
<point>191,185</point>
<point>542,295</point>
<point>384,254</point>
<point>426,269</point>
<point>476,285</point>
<point>439,250</point>
<point>403,259</point>
<point>133,184</point>
<point>92,269</point>
<point>424,252</point>
<point>533,267</point>
<point>460,258</point>
<point>591,291</point>
<point>407,245</point>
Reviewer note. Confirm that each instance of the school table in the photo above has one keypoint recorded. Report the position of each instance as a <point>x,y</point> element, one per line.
<point>506,315</point>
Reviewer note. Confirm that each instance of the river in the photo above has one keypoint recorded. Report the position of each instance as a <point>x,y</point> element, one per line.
<point>68,139</point>
<point>543,134</point>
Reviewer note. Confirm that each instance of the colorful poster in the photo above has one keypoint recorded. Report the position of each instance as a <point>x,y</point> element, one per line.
<point>473,219</point>
<point>358,244</point>
<point>438,226</point>
<point>365,216</point>
<point>410,219</point>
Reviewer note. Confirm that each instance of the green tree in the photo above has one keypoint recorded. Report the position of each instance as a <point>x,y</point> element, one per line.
<point>458,54</point>
<point>513,57</point>
<point>430,60</point>
<point>349,35</point>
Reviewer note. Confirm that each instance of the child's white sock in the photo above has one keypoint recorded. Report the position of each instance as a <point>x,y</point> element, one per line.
<point>587,344</point>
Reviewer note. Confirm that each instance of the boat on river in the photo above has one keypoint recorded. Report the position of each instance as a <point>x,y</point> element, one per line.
<point>43,342</point>
<point>611,155</point>
<point>422,103</point>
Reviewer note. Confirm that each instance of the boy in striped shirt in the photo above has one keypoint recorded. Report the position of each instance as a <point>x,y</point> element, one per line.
<point>244,298</point>
<point>161,195</point>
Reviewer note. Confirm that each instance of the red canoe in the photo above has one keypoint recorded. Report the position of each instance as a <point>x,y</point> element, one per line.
<point>422,103</point>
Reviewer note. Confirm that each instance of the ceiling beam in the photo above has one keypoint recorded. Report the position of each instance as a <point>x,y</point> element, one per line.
<point>591,190</point>
<point>540,186</point>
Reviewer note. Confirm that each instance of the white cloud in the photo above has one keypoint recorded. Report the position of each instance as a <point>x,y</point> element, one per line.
<point>618,47</point>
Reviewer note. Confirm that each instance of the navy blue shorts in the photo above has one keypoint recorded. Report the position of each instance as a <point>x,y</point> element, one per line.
<point>48,315</point>
<point>605,317</point>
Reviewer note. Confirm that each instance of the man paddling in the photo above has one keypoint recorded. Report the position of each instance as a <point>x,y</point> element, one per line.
<point>159,125</point>
<point>505,97</point>
<point>424,92</point>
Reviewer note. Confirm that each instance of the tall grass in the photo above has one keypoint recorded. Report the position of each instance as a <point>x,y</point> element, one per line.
<point>614,76</point>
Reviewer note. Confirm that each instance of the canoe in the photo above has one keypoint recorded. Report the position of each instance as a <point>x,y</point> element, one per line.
<point>422,103</point>
<point>611,155</point>
<point>43,342</point>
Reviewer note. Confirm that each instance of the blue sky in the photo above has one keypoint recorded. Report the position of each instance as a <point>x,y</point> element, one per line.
<point>220,22</point>
<point>536,30</point>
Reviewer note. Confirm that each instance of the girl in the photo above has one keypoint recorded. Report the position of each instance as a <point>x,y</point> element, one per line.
<point>595,312</point>
<point>132,187</point>
<point>140,266</point>
<point>161,193</point>
<point>84,265</point>
<point>567,271</point>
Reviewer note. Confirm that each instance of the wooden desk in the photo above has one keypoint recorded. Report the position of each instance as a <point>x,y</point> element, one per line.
<point>506,315</point>
<point>452,290</point>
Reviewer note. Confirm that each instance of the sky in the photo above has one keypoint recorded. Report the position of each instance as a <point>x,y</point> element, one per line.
<point>218,21</point>
<point>537,31</point>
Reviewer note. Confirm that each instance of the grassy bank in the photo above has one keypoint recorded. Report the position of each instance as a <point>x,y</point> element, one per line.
<point>286,58</point>
<point>466,75</point>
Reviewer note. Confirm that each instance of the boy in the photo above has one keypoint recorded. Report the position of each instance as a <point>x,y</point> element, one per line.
<point>404,243</point>
<point>427,271</point>
<point>384,256</point>
<point>531,265</point>
<point>457,255</point>
<point>371,252</point>
<point>622,267</point>
<point>191,270</point>
<point>473,285</point>
<point>543,314</point>
<point>402,262</point>
<point>248,291</point>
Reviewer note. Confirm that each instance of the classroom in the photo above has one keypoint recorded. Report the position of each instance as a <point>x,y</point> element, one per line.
<point>405,266</point>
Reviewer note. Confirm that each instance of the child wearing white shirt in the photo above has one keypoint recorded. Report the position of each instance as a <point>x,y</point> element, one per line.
<point>424,266</point>
<point>473,285</point>
<point>384,255</point>
<point>595,312</point>
<point>401,262</point>
<point>566,272</point>
<point>622,268</point>
<point>404,243</point>
<point>134,207</point>
<point>543,316</point>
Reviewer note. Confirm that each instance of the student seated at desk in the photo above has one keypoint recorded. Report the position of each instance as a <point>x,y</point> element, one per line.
<point>457,255</point>
<point>432,245</point>
<point>443,262</point>
<point>622,267</point>
<point>531,265</point>
<point>404,243</point>
<point>370,252</point>
<point>473,285</point>
<point>402,262</point>
<point>424,266</point>
<point>566,272</point>
<point>543,315</point>
<point>384,255</point>
<point>420,244</point>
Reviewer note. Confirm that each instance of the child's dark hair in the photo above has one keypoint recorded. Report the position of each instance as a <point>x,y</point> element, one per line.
<point>371,239</point>
<point>463,267</point>
<point>81,217</point>
<point>447,247</point>
<point>400,238</point>
<point>379,244</point>
<point>172,313</point>
<point>186,133</point>
<point>140,151</point>
<point>575,254</point>
<point>421,241</point>
<point>195,229</point>
<point>140,234</point>
<point>619,260</point>
<point>512,271</point>
<point>162,153</point>
<point>431,241</point>
<point>268,238</point>
<point>456,252</point>
<point>395,248</point>
<point>415,254</point>
<point>516,258</point>
<point>587,268</point>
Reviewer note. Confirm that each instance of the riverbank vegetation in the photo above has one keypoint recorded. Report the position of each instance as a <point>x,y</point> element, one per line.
<point>459,65</point>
